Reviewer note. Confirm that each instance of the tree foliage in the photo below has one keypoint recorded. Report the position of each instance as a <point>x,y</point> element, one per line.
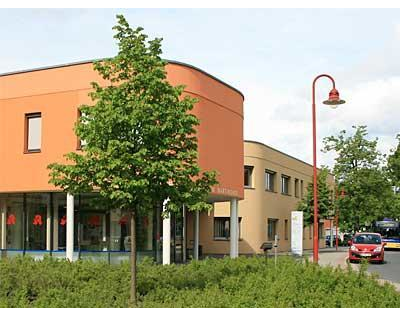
<point>140,137</point>
<point>393,164</point>
<point>325,201</point>
<point>359,170</point>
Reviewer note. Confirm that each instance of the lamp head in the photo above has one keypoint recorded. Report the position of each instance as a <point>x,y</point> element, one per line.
<point>334,99</point>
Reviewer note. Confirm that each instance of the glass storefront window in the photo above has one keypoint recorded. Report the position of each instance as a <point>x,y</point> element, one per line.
<point>14,222</point>
<point>93,221</point>
<point>36,210</point>
<point>2,205</point>
<point>97,228</point>
<point>119,232</point>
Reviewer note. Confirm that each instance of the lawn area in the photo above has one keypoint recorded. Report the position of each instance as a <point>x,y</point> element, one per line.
<point>242,282</point>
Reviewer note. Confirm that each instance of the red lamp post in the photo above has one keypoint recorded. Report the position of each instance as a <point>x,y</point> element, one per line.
<point>333,101</point>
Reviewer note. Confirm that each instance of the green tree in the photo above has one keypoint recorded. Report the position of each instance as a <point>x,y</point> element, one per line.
<point>360,173</point>
<point>141,144</point>
<point>393,167</point>
<point>325,202</point>
<point>393,164</point>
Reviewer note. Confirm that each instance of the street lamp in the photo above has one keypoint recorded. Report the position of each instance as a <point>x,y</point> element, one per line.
<point>333,101</point>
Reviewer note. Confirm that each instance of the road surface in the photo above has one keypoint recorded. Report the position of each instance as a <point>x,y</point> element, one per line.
<point>390,270</point>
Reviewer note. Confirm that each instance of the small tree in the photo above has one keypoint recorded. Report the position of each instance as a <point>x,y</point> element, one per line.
<point>325,203</point>
<point>140,138</point>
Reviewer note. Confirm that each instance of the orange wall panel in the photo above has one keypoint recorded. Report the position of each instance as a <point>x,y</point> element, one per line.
<point>57,93</point>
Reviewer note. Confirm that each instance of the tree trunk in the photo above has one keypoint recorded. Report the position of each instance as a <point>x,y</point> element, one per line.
<point>133,259</point>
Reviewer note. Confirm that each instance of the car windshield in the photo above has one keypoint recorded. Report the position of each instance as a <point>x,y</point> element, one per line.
<point>367,239</point>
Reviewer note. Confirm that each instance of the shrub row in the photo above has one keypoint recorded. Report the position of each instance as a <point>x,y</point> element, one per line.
<point>242,282</point>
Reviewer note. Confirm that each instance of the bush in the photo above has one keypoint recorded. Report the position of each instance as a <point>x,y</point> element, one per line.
<point>242,282</point>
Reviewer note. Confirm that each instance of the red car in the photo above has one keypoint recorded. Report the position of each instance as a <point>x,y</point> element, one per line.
<point>366,246</point>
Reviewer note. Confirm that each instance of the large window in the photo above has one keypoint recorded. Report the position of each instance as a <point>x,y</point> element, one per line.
<point>33,132</point>
<point>36,210</point>
<point>285,184</point>
<point>270,180</point>
<point>36,222</point>
<point>248,176</point>
<point>272,228</point>
<point>14,222</point>
<point>222,228</point>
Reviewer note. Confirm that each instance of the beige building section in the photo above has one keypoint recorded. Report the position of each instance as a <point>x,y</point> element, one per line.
<point>259,204</point>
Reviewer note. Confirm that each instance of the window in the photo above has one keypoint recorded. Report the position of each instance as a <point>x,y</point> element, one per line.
<point>269,180</point>
<point>14,222</point>
<point>272,223</point>
<point>222,228</point>
<point>301,189</point>
<point>33,132</point>
<point>285,184</point>
<point>286,229</point>
<point>320,231</point>
<point>296,188</point>
<point>248,175</point>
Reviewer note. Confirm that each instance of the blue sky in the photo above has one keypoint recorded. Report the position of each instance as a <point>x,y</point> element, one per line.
<point>271,55</point>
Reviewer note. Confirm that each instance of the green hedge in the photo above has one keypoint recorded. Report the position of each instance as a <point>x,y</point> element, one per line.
<point>242,282</point>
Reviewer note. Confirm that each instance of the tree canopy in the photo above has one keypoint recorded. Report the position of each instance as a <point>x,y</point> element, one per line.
<point>360,172</point>
<point>140,137</point>
<point>140,144</point>
<point>325,201</point>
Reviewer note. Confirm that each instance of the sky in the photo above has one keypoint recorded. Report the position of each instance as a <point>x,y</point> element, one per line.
<point>270,55</point>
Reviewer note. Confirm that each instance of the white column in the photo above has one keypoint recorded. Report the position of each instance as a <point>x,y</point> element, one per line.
<point>196,237</point>
<point>234,229</point>
<point>55,225</point>
<point>166,236</point>
<point>3,236</point>
<point>48,225</point>
<point>70,227</point>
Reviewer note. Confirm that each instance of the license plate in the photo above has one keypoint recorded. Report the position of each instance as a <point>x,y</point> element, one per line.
<point>365,254</point>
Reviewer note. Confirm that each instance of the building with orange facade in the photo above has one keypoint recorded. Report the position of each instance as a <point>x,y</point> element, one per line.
<point>38,110</point>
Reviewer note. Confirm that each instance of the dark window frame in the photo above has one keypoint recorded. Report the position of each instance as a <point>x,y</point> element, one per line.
<point>272,232</point>
<point>296,187</point>
<point>283,176</point>
<point>272,175</point>
<point>224,218</point>
<point>250,169</point>
<point>29,116</point>
<point>286,229</point>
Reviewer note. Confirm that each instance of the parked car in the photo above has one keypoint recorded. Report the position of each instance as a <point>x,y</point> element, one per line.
<point>328,241</point>
<point>366,246</point>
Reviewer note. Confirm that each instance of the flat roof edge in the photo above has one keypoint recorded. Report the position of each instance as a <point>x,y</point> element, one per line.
<point>281,152</point>
<point>99,59</point>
